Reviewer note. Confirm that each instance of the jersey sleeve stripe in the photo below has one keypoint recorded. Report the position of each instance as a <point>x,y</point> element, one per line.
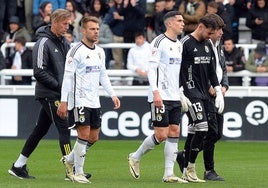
<point>75,48</point>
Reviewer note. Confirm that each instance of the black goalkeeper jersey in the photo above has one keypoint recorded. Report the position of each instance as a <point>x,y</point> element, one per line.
<point>197,68</point>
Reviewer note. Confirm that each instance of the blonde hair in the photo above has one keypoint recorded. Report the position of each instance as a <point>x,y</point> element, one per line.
<point>60,14</point>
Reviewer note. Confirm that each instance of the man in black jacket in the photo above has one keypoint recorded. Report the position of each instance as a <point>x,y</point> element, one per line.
<point>22,59</point>
<point>49,55</point>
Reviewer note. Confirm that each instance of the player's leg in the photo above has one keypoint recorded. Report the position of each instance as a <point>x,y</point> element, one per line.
<point>148,143</point>
<point>19,168</point>
<point>198,115</point>
<point>173,111</point>
<point>215,123</point>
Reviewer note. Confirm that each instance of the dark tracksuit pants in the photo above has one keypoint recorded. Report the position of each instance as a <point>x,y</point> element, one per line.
<point>47,116</point>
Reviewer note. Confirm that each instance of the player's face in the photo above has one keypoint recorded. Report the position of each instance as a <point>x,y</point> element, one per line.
<point>61,26</point>
<point>91,32</point>
<point>206,33</point>
<point>177,24</point>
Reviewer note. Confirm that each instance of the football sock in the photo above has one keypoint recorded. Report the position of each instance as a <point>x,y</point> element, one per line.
<point>20,161</point>
<point>170,153</point>
<point>70,157</point>
<point>147,145</point>
<point>197,141</point>
<point>79,155</point>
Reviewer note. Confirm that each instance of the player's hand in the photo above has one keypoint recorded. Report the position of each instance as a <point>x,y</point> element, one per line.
<point>62,110</point>
<point>116,102</point>
<point>219,101</point>
<point>158,102</point>
<point>185,102</point>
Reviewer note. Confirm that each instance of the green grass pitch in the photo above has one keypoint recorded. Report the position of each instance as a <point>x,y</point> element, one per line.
<point>242,164</point>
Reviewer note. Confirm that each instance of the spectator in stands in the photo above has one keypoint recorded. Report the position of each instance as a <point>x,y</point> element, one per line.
<point>159,26</point>
<point>257,20</point>
<point>192,11</point>
<point>133,12</point>
<point>15,31</point>
<point>218,8</point>
<point>241,9</point>
<point>116,24</point>
<point>137,59</point>
<point>43,17</point>
<point>235,60</point>
<point>75,19</point>
<point>2,61</point>
<point>105,37</point>
<point>8,9</point>
<point>97,8</point>
<point>28,11</point>
<point>258,62</point>
<point>81,6</point>
<point>56,5</point>
<point>22,59</point>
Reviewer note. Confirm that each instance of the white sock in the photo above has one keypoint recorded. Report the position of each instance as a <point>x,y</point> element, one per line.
<point>170,152</point>
<point>21,161</point>
<point>147,145</point>
<point>79,155</point>
<point>184,171</point>
<point>70,157</point>
<point>191,165</point>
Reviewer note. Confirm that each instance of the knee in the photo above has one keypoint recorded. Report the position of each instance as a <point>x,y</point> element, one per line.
<point>161,137</point>
<point>93,139</point>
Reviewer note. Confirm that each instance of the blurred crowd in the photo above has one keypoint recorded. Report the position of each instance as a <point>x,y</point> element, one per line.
<point>135,21</point>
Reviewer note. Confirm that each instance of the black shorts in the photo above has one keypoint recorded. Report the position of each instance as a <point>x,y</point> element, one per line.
<point>197,115</point>
<point>170,113</point>
<point>84,116</point>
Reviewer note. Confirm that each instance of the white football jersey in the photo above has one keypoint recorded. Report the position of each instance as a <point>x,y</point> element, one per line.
<point>164,68</point>
<point>84,71</point>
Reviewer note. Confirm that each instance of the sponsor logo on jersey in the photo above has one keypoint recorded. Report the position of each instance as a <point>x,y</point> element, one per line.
<point>95,68</point>
<point>174,60</point>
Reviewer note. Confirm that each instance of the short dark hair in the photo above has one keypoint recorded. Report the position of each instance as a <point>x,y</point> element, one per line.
<point>139,33</point>
<point>212,21</point>
<point>171,14</point>
<point>20,40</point>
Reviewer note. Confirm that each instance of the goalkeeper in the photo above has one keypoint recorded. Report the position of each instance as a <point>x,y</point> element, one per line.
<point>197,71</point>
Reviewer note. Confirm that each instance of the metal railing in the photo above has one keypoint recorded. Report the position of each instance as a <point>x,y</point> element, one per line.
<point>125,75</point>
<point>246,47</point>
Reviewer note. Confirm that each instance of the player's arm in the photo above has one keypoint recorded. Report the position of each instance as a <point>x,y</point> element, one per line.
<point>67,83</point>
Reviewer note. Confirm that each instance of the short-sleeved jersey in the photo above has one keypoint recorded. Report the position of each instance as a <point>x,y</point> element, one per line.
<point>84,71</point>
<point>197,68</point>
<point>164,68</point>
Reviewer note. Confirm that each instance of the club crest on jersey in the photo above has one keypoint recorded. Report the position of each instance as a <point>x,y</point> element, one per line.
<point>82,118</point>
<point>154,51</point>
<point>159,117</point>
<point>99,55</point>
<point>70,60</point>
<point>199,116</point>
<point>87,57</point>
<point>57,103</point>
<point>206,49</point>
